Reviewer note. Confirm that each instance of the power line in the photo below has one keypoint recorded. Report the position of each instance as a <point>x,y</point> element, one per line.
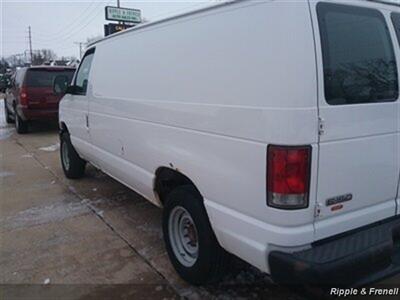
<point>63,38</point>
<point>91,12</point>
<point>50,41</point>
<point>87,24</point>
<point>91,16</point>
<point>73,32</point>
<point>66,28</point>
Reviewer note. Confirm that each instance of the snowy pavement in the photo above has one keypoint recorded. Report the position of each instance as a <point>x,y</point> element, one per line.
<point>5,129</point>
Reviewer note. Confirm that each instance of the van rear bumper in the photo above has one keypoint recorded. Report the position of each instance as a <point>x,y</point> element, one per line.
<point>356,258</point>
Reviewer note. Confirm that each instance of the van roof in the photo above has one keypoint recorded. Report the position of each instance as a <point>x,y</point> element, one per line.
<point>204,9</point>
<point>145,25</point>
<point>389,2</point>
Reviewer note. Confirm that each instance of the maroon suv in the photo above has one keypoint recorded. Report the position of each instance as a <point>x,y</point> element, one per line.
<point>30,95</point>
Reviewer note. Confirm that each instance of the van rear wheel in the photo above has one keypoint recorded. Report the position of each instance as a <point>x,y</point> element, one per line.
<point>190,241</point>
<point>73,166</point>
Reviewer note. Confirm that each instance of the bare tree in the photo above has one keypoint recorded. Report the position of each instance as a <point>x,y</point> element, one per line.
<point>16,60</point>
<point>42,56</point>
<point>3,66</point>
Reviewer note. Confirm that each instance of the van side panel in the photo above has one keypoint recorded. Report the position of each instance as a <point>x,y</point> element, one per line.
<point>206,94</point>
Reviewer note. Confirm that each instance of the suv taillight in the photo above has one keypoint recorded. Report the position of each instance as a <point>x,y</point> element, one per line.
<point>23,97</point>
<point>288,176</point>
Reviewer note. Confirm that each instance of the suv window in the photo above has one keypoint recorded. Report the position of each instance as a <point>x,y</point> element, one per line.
<point>45,78</point>
<point>19,77</point>
<point>358,57</point>
<point>82,77</point>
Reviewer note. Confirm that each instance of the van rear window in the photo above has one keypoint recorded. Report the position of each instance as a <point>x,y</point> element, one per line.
<point>45,78</point>
<point>358,57</point>
<point>396,24</point>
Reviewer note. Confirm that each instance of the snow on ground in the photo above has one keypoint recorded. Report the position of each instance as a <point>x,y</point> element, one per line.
<point>51,148</point>
<point>2,115</point>
<point>6,174</point>
<point>6,130</point>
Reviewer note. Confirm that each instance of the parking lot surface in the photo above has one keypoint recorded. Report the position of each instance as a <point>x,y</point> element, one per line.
<point>89,238</point>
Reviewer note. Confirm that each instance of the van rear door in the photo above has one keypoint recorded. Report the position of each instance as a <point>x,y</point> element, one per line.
<point>395,16</point>
<point>358,108</point>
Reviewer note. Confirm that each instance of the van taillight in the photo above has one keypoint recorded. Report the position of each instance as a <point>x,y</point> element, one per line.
<point>288,176</point>
<point>23,97</point>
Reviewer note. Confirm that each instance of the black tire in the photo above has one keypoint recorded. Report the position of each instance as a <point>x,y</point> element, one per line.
<point>20,125</point>
<point>7,113</point>
<point>212,259</point>
<point>73,166</point>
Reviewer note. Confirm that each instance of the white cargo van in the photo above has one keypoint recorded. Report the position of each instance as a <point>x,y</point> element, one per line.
<point>266,129</point>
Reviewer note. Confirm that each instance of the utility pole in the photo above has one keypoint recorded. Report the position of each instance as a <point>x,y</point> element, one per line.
<point>80,48</point>
<point>30,44</point>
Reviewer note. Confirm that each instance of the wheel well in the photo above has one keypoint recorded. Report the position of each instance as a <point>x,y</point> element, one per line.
<point>63,128</point>
<point>168,179</point>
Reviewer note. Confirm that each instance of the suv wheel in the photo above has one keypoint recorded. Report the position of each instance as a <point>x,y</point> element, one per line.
<point>73,166</point>
<point>190,241</point>
<point>7,113</point>
<point>20,125</point>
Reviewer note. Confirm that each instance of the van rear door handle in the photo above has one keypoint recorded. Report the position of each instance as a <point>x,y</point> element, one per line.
<point>87,121</point>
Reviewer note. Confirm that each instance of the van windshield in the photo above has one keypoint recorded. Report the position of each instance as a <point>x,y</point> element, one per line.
<point>45,78</point>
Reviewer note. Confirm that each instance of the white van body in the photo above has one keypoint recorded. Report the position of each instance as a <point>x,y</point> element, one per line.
<point>205,93</point>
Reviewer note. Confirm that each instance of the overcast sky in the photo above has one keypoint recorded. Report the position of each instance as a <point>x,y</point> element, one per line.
<point>57,24</point>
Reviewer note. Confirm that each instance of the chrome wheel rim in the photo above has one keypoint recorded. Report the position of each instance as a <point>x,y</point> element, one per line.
<point>183,236</point>
<point>64,156</point>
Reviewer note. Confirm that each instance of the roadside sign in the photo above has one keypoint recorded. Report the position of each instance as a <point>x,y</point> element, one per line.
<point>111,28</point>
<point>123,14</point>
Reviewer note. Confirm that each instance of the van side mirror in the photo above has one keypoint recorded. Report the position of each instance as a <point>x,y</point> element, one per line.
<point>70,90</point>
<point>60,84</point>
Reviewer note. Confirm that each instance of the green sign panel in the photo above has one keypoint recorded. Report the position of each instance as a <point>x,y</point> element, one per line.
<point>123,14</point>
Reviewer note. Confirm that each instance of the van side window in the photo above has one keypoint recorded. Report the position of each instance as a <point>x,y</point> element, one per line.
<point>82,77</point>
<point>358,57</point>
